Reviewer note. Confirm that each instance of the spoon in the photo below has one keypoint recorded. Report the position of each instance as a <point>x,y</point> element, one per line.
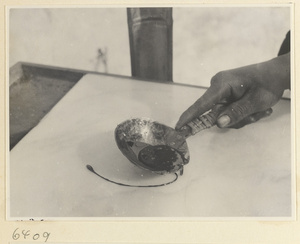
<point>156,147</point>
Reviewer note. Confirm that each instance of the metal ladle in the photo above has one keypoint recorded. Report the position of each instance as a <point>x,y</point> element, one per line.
<point>157,147</point>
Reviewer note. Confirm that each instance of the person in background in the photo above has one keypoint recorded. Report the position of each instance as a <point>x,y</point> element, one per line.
<point>246,94</point>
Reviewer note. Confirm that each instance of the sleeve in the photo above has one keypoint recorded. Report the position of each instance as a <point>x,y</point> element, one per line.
<point>285,46</point>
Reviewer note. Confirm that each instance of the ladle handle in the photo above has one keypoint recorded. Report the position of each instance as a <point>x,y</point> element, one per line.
<point>202,122</point>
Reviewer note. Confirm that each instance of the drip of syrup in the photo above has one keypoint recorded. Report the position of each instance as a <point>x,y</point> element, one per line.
<point>90,168</point>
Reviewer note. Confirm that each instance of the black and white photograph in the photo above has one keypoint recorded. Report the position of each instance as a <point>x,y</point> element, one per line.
<point>167,112</point>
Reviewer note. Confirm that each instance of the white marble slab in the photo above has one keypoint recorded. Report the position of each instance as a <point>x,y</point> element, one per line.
<point>232,173</point>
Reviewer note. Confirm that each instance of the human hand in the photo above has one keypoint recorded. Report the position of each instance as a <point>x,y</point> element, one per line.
<point>244,95</point>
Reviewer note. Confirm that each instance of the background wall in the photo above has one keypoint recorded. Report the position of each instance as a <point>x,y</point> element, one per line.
<point>206,39</point>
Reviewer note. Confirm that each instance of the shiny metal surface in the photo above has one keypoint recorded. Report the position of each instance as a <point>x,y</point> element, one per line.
<point>152,146</point>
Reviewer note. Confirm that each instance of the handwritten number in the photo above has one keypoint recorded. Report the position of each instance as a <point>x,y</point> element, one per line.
<point>46,235</point>
<point>37,237</point>
<point>15,235</point>
<point>25,234</point>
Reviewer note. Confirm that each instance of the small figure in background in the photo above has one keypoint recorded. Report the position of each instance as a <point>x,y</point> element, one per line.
<point>101,60</point>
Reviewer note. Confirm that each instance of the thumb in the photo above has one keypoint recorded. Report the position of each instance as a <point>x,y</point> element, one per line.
<point>235,112</point>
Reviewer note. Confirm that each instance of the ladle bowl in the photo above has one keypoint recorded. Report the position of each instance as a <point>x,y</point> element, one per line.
<point>157,147</point>
<point>152,146</point>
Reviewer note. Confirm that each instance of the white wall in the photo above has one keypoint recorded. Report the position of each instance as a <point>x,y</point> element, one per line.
<point>206,40</point>
<point>70,37</point>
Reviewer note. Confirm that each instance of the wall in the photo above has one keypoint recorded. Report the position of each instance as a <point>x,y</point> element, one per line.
<point>70,37</point>
<point>206,40</point>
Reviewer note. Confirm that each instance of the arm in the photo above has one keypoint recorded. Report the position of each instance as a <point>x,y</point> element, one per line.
<point>245,94</point>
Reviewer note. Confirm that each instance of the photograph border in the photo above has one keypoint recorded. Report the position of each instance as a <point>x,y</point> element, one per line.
<point>185,230</point>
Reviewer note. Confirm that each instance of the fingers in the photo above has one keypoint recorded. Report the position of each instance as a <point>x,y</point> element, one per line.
<point>240,113</point>
<point>211,97</point>
<point>237,111</point>
<point>252,118</point>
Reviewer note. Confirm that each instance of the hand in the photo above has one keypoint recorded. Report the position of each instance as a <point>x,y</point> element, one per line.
<point>244,95</point>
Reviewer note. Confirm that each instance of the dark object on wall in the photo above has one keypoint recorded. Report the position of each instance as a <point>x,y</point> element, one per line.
<point>150,36</point>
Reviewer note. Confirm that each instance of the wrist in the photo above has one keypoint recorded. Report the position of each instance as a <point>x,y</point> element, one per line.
<point>277,71</point>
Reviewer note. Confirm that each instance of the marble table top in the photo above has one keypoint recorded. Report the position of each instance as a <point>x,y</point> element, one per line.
<point>232,173</point>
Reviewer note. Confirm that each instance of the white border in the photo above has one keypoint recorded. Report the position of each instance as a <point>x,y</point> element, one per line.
<point>161,219</point>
